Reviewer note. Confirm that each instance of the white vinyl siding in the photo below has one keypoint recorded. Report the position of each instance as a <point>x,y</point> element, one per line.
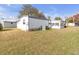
<point>37,23</point>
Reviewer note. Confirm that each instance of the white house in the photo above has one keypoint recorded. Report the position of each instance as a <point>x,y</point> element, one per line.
<point>30,22</point>
<point>73,24</point>
<point>9,23</point>
<point>70,24</point>
<point>58,24</point>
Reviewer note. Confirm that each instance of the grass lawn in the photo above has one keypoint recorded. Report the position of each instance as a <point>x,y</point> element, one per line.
<point>55,41</point>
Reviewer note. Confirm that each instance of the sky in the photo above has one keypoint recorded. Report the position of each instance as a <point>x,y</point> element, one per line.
<point>53,10</point>
<point>8,10</point>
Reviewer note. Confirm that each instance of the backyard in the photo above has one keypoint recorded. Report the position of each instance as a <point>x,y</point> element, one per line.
<point>53,41</point>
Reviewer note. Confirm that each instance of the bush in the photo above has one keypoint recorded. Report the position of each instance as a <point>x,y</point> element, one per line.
<point>1,27</point>
<point>47,28</point>
<point>65,26</point>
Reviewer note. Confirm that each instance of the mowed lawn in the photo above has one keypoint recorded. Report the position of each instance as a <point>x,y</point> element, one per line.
<point>54,41</point>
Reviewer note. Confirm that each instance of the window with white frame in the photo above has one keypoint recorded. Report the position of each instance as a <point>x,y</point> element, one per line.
<point>54,24</point>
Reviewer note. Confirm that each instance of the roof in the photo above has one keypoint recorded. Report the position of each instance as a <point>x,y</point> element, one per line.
<point>9,20</point>
<point>42,18</point>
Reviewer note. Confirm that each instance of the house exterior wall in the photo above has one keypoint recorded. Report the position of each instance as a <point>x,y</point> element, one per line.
<point>23,23</point>
<point>9,24</point>
<point>37,23</point>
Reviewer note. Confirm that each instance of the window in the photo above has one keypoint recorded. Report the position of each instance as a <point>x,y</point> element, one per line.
<point>23,21</point>
<point>54,24</point>
<point>57,24</point>
<point>11,22</point>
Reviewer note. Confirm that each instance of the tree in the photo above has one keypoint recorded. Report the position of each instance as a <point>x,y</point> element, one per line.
<point>41,15</point>
<point>49,19</point>
<point>28,9</point>
<point>69,20</point>
<point>58,18</point>
<point>76,18</point>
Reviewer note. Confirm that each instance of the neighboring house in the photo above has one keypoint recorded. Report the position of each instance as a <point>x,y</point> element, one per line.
<point>30,22</point>
<point>58,24</point>
<point>73,24</point>
<point>8,23</point>
<point>70,24</point>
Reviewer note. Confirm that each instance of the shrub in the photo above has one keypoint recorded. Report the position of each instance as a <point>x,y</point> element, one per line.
<point>1,27</point>
<point>47,28</point>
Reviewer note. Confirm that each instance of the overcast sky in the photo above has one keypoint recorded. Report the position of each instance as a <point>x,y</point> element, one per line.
<point>48,9</point>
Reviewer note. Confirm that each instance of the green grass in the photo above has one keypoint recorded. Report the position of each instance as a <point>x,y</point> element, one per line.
<point>54,41</point>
